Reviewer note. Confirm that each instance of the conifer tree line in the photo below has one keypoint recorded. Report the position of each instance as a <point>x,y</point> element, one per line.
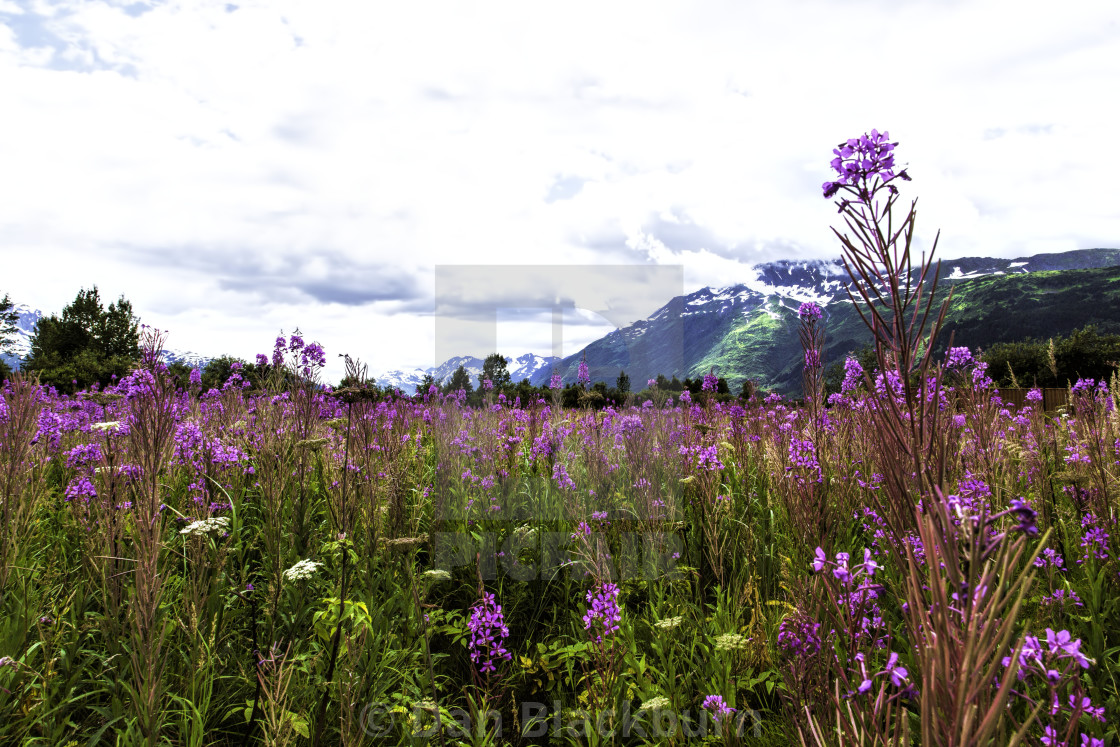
<point>90,343</point>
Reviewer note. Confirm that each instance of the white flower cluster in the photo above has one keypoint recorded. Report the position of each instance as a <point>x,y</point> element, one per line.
<point>109,425</point>
<point>304,569</point>
<point>202,527</point>
<point>659,703</point>
<point>730,642</point>
<point>437,575</point>
<point>669,622</point>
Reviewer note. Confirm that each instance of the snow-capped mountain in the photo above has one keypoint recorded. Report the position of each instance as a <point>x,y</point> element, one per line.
<point>712,327</point>
<point>744,330</point>
<point>406,381</point>
<point>194,360</point>
<point>20,342</point>
<point>523,367</point>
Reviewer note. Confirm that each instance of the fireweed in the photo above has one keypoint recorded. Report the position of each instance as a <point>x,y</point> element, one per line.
<point>638,455</point>
<point>487,641</point>
<point>931,485</point>
<point>959,596</point>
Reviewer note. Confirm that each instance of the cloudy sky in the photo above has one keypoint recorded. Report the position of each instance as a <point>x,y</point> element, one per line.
<point>240,168</point>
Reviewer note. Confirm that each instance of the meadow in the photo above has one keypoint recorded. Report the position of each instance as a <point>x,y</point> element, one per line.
<point>275,567</point>
<point>911,561</point>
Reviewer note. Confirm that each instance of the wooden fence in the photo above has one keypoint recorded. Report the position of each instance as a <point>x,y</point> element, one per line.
<point>1052,398</point>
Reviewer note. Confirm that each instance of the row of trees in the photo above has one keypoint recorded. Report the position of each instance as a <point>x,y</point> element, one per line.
<point>88,344</point>
<point>1086,353</point>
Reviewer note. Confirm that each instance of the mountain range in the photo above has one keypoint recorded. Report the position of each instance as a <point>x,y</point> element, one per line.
<point>750,330</point>
<point>520,368</point>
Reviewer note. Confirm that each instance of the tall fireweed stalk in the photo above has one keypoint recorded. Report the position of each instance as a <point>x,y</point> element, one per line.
<point>151,420</point>
<point>954,574</point>
<point>812,343</point>
<point>20,404</point>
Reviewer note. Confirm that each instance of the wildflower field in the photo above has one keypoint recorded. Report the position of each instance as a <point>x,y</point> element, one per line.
<point>278,562</point>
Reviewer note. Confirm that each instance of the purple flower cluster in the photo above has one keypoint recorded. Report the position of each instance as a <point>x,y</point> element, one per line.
<point>1094,539</point>
<point>799,637</point>
<point>809,312</point>
<point>840,569</point>
<point>584,376</point>
<point>803,456</point>
<point>892,670</point>
<point>603,617</point>
<point>1035,659</point>
<point>853,375</point>
<point>959,359</point>
<point>488,634</point>
<point>710,382</point>
<point>1051,558</point>
<point>718,707</point>
<point>860,161</point>
<point>1025,515</point>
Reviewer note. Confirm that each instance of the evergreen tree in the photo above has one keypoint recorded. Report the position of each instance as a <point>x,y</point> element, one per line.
<point>426,384</point>
<point>8,318</point>
<point>623,383</point>
<point>87,345</point>
<point>459,380</point>
<point>494,369</point>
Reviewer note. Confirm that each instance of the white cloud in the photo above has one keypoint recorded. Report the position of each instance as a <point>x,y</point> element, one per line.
<point>238,167</point>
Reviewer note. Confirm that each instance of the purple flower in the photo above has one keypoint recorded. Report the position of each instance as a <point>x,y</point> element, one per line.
<point>604,611</point>
<point>841,570</point>
<point>278,351</point>
<point>1026,516</point>
<point>313,356</point>
<point>959,358</point>
<point>820,561</point>
<point>710,382</point>
<point>80,488</point>
<point>262,360</point>
<point>853,375</point>
<point>584,377</point>
<point>896,673</point>
<point>1064,645</point>
<point>860,162</point>
<point>556,382</point>
<point>196,376</point>
<point>488,633</point>
<point>717,706</point>
<point>799,637</point>
<point>809,311</point>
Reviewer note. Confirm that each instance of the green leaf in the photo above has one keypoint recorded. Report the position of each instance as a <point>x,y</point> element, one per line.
<point>299,724</point>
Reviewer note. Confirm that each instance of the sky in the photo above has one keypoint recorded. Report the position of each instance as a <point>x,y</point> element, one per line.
<point>240,169</point>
